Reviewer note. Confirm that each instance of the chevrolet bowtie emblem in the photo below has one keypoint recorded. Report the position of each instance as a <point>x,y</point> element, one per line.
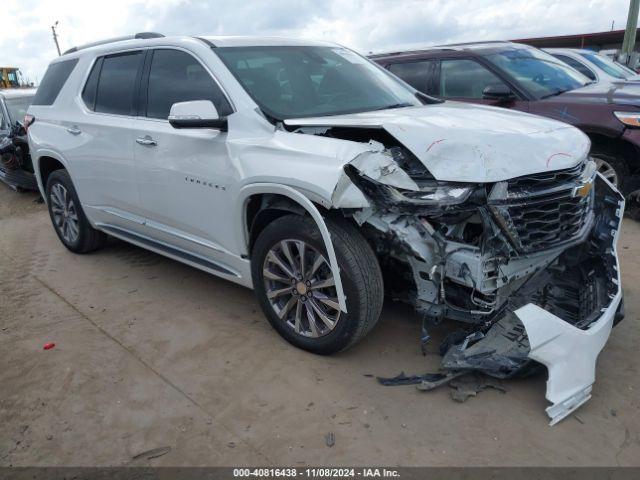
<point>583,190</point>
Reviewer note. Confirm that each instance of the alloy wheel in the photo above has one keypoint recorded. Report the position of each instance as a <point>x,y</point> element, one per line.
<point>65,215</point>
<point>300,287</point>
<point>607,171</point>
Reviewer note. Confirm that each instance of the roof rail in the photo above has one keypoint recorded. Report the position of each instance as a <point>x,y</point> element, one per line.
<point>141,35</point>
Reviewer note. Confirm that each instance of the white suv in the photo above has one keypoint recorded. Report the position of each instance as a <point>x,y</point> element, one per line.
<point>309,173</point>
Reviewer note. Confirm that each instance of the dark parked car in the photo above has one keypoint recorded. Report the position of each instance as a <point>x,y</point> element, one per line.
<point>524,78</point>
<point>15,162</point>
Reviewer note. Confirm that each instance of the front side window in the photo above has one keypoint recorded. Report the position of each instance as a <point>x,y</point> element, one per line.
<point>116,88</point>
<point>306,81</point>
<point>462,78</point>
<point>536,71</point>
<point>608,66</point>
<point>415,74</point>
<point>176,76</point>
<point>583,69</point>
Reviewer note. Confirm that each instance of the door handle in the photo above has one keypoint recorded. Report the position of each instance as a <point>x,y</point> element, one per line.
<point>74,130</point>
<point>146,140</point>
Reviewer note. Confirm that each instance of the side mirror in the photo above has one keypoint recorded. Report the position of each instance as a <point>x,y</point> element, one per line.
<point>498,92</point>
<point>196,114</point>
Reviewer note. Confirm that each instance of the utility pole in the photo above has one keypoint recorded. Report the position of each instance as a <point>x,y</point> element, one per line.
<point>55,36</point>
<point>629,41</point>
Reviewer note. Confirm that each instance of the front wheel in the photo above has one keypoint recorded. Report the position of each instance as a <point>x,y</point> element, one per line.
<point>614,169</point>
<point>296,286</point>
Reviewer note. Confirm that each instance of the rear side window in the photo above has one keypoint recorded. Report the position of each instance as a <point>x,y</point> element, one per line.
<point>117,83</point>
<point>415,74</point>
<point>176,76</point>
<point>53,81</point>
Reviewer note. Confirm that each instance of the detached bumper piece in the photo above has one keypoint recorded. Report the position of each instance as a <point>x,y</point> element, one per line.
<point>13,157</point>
<point>561,317</point>
<point>18,178</point>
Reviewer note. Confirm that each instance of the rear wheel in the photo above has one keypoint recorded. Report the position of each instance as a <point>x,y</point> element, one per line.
<point>67,216</point>
<point>296,286</point>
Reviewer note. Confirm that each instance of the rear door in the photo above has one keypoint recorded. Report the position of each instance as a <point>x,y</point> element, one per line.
<point>102,163</point>
<point>183,174</point>
<point>464,79</point>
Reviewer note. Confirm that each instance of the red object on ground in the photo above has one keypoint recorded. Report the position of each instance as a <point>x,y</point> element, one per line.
<point>49,346</point>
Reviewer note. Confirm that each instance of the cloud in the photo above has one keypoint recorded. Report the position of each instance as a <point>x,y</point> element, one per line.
<point>366,25</point>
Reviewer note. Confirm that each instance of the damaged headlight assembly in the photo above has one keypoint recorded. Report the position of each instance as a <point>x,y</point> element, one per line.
<point>433,195</point>
<point>429,193</point>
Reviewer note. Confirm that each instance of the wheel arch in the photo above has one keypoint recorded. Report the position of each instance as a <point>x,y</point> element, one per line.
<point>616,144</point>
<point>282,200</point>
<point>44,164</point>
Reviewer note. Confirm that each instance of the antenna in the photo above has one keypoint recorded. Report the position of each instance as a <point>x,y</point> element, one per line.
<point>55,36</point>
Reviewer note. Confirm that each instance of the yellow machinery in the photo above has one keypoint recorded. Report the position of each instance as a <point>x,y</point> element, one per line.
<point>10,77</point>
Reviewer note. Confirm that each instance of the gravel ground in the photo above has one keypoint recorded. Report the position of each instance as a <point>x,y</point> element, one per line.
<point>151,354</point>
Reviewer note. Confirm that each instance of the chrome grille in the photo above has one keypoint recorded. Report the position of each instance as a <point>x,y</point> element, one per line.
<point>543,211</point>
<point>541,181</point>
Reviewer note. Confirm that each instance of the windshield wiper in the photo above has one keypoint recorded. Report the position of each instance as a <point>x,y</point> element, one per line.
<point>555,94</point>
<point>395,105</point>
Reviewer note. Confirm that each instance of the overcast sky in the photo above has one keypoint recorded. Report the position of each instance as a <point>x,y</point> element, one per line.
<point>365,25</point>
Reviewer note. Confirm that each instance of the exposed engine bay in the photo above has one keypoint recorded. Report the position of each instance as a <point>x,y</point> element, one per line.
<point>532,256</point>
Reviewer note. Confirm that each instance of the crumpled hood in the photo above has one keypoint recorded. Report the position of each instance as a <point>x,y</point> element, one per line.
<point>472,143</point>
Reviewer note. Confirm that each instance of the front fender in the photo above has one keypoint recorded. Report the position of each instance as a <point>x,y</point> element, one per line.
<point>260,188</point>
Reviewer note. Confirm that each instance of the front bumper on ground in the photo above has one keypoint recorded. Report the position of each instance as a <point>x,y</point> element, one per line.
<point>569,354</point>
<point>530,328</point>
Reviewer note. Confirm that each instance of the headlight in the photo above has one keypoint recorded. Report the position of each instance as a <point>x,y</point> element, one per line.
<point>434,195</point>
<point>631,119</point>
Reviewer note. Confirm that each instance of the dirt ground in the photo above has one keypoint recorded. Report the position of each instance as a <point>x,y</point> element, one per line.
<point>151,353</point>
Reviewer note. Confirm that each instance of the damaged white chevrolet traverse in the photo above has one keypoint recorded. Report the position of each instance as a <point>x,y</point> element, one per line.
<point>323,182</point>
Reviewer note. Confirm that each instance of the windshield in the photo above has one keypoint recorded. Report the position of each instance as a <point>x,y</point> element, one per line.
<point>18,107</point>
<point>608,66</point>
<point>305,81</point>
<point>538,72</point>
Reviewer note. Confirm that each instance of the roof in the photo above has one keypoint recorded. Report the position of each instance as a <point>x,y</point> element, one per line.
<point>456,47</point>
<point>568,50</point>
<point>18,92</point>
<point>144,39</point>
<point>250,41</point>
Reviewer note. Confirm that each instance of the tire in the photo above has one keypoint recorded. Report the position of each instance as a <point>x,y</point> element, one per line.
<point>608,160</point>
<point>359,271</point>
<point>71,224</point>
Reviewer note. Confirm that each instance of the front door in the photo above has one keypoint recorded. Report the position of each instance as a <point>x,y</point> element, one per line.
<point>183,174</point>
